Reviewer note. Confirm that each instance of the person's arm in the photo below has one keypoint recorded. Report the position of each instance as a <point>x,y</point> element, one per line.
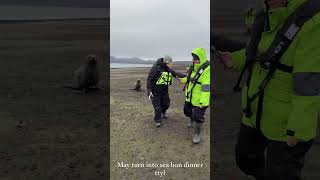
<point>183,80</point>
<point>222,43</point>
<point>175,73</point>
<point>305,100</point>
<point>235,60</point>
<point>238,59</point>
<point>205,88</point>
<point>153,74</point>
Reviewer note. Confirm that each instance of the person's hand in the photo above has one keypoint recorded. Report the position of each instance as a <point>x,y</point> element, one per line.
<point>292,141</point>
<point>178,79</point>
<point>226,59</point>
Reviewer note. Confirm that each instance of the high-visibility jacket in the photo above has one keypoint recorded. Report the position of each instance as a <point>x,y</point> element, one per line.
<point>291,100</point>
<point>198,93</point>
<point>165,78</point>
<point>160,77</point>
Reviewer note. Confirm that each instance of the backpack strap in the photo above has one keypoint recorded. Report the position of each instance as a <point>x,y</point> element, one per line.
<point>287,33</point>
<point>196,78</point>
<point>251,50</point>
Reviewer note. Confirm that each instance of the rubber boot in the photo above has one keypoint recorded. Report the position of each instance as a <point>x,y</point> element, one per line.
<point>196,133</point>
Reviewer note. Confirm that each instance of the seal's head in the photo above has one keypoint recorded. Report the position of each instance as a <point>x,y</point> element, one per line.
<point>91,59</point>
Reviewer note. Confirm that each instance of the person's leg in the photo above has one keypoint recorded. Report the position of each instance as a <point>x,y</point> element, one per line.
<point>198,118</point>
<point>187,110</point>
<point>156,102</point>
<point>165,103</point>
<point>198,114</point>
<point>284,162</point>
<point>250,149</point>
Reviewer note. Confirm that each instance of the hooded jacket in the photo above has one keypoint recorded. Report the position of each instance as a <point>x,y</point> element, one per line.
<point>200,94</point>
<point>154,74</point>
<point>291,100</point>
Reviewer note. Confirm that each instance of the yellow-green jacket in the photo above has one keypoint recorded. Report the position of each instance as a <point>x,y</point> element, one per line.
<point>291,100</point>
<point>200,94</point>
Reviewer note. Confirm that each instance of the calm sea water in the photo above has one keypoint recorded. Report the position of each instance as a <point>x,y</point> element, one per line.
<point>125,65</point>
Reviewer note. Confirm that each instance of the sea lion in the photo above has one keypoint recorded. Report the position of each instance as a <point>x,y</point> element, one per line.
<point>86,76</point>
<point>137,85</point>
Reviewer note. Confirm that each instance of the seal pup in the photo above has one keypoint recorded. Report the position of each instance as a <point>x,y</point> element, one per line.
<point>137,85</point>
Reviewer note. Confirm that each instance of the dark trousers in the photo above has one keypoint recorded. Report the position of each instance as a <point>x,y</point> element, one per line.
<point>194,113</point>
<point>161,103</point>
<point>281,161</point>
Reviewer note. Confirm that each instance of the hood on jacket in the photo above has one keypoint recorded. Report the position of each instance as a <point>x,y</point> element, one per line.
<point>159,63</point>
<point>201,53</point>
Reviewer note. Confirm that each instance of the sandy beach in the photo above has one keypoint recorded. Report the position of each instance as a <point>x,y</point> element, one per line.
<point>63,135</point>
<point>135,139</point>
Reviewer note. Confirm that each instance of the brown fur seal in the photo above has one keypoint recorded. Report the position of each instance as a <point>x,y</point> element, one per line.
<point>87,75</point>
<point>137,85</point>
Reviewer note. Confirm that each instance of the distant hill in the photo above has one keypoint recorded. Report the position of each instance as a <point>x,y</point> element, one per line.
<point>133,60</point>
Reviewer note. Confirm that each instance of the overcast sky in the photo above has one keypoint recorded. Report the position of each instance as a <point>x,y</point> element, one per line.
<point>151,28</point>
